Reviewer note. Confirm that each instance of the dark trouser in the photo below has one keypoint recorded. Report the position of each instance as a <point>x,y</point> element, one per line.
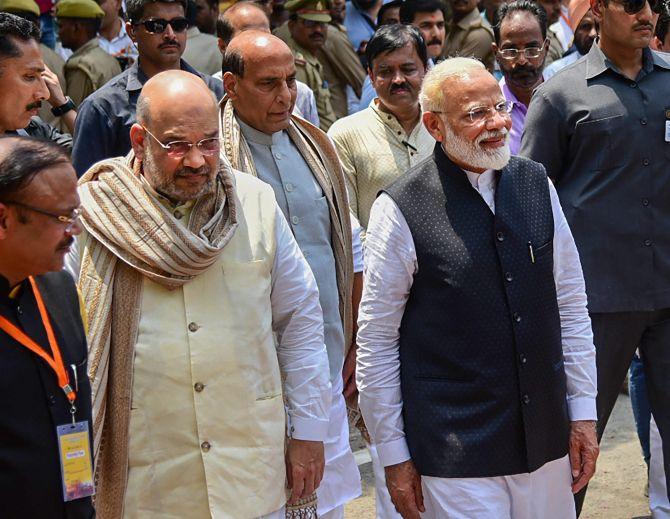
<point>637,389</point>
<point>616,336</point>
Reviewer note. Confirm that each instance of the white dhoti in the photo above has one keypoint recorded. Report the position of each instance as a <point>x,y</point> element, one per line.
<point>341,479</point>
<point>658,492</point>
<point>543,494</point>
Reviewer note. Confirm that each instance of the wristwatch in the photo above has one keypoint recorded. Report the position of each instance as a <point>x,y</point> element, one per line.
<point>64,108</point>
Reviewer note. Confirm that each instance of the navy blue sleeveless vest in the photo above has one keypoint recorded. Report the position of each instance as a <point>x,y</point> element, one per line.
<point>482,376</point>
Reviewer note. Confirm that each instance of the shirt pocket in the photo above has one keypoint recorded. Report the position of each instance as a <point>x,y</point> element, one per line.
<point>609,141</point>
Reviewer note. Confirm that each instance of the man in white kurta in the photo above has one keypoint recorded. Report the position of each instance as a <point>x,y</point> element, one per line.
<point>474,153</point>
<point>227,327</point>
<point>298,161</point>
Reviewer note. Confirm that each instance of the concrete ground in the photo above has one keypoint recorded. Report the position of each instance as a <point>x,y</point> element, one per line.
<point>616,491</point>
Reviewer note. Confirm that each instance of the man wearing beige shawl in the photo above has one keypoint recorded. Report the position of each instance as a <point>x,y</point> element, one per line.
<point>261,137</point>
<point>204,322</point>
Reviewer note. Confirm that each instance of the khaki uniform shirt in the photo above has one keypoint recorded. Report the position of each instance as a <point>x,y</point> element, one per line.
<point>471,37</point>
<point>309,71</point>
<point>555,51</point>
<point>374,151</point>
<point>202,52</point>
<point>341,66</point>
<point>88,69</point>
<point>56,64</point>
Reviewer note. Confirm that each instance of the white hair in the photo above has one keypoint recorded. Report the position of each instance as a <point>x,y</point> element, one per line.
<point>433,90</point>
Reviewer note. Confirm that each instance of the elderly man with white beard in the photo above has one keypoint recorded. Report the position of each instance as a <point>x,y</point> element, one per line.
<point>476,365</point>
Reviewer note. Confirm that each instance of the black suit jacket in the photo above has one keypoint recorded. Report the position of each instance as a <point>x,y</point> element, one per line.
<point>33,405</point>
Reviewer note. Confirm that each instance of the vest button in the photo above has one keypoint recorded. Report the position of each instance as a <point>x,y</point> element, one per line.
<point>198,386</point>
<point>289,187</point>
<point>525,399</point>
<point>52,400</point>
<point>516,317</point>
<point>205,446</point>
<point>647,243</point>
<point>523,359</point>
<point>19,310</point>
<point>645,162</point>
<point>500,236</point>
<point>645,202</point>
<point>192,327</point>
<point>295,220</point>
<point>508,276</point>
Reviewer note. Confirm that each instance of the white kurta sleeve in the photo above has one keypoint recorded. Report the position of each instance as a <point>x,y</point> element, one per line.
<point>356,244</point>
<point>297,320</point>
<point>390,265</point>
<point>579,353</point>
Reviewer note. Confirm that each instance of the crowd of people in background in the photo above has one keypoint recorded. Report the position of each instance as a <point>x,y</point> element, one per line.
<point>296,217</point>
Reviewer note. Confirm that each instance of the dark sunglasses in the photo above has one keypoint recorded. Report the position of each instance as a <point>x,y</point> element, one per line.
<point>159,25</point>
<point>635,6</point>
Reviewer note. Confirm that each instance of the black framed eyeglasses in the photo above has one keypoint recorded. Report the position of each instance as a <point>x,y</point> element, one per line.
<point>528,52</point>
<point>159,25</point>
<point>635,6</point>
<point>69,220</point>
<point>178,149</point>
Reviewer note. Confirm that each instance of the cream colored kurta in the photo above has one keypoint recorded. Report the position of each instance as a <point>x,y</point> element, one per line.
<point>207,420</point>
<point>374,151</point>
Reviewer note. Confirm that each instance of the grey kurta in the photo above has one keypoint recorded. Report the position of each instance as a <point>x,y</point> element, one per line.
<point>300,197</point>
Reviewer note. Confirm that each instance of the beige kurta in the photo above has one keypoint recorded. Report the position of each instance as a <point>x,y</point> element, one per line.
<point>207,422</point>
<point>374,151</point>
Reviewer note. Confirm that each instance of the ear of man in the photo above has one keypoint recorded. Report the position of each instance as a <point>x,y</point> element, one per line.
<point>130,29</point>
<point>432,123</point>
<point>230,85</point>
<point>138,140</point>
<point>597,7</point>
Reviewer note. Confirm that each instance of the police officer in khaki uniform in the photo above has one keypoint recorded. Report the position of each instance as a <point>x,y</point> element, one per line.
<point>341,66</point>
<point>308,26</point>
<point>468,34</point>
<point>89,67</point>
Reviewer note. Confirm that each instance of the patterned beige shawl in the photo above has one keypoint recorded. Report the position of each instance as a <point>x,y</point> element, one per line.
<point>131,235</point>
<point>321,157</point>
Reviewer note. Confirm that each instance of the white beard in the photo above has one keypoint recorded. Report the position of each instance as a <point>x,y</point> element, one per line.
<point>471,153</point>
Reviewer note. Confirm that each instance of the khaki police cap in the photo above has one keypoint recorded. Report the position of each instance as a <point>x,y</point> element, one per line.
<point>16,6</point>
<point>78,9</point>
<point>315,10</point>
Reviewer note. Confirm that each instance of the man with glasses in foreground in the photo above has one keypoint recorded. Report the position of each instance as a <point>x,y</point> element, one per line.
<point>601,127</point>
<point>45,388</point>
<point>520,49</point>
<point>158,28</point>
<point>476,365</point>
<point>204,322</point>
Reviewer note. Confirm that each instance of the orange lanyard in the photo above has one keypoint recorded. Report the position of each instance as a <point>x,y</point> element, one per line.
<point>565,18</point>
<point>56,362</point>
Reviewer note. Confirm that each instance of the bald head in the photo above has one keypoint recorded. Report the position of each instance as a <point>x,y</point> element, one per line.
<point>251,49</point>
<point>240,17</point>
<point>172,92</point>
<point>176,136</point>
<point>259,78</point>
